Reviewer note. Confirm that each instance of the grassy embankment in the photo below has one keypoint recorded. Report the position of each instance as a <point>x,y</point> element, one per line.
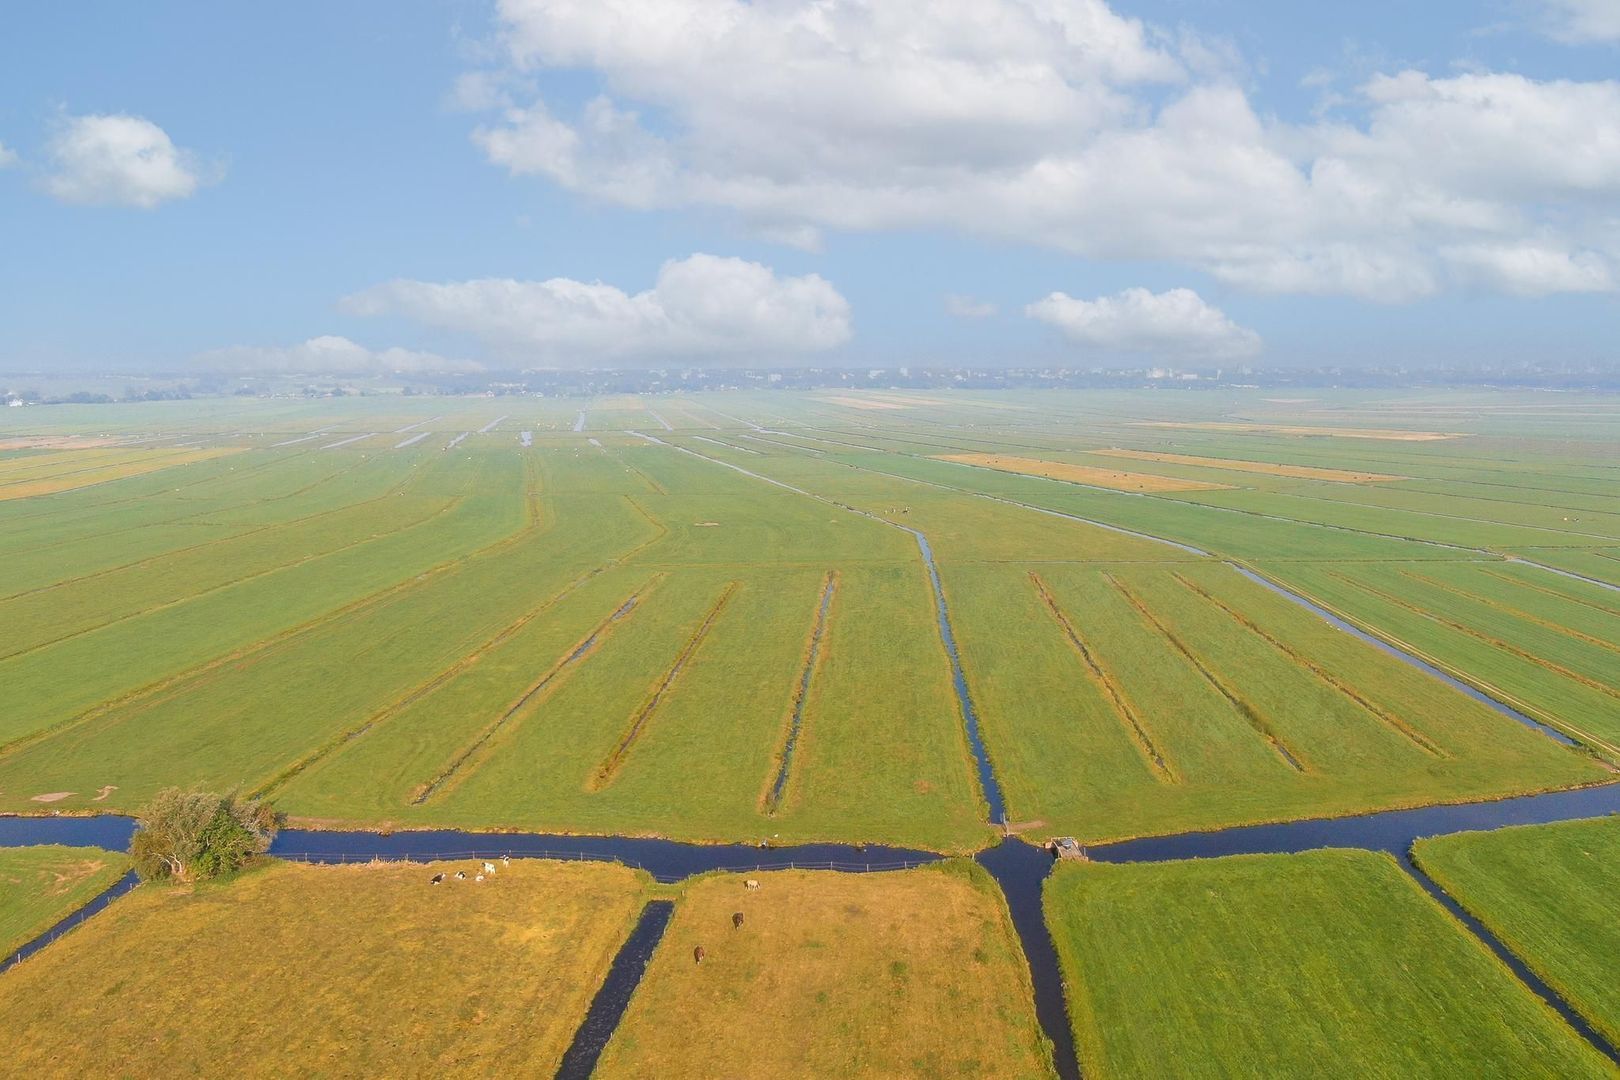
<point>1330,963</point>
<point>40,886</point>
<point>911,973</point>
<point>1547,891</point>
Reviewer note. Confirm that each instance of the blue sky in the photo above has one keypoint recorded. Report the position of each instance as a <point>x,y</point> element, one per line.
<point>521,174</point>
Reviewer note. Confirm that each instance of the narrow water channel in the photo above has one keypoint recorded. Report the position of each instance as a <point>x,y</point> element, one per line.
<point>611,1001</point>
<point>1017,867</point>
<point>1530,979</point>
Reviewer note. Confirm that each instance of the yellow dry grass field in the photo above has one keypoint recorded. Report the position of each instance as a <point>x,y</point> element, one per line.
<point>108,465</point>
<point>904,974</point>
<point>294,970</point>
<point>53,442</point>
<point>1390,434</point>
<point>862,403</point>
<point>1083,474</point>
<point>1301,472</point>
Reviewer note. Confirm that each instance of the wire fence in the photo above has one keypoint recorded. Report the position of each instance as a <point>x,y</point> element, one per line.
<point>848,867</point>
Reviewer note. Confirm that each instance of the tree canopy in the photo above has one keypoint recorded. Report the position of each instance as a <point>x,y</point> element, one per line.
<point>191,835</point>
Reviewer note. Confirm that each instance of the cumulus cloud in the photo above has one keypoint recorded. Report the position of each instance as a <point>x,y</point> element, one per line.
<point>966,307</point>
<point>704,305</point>
<point>1173,324</point>
<point>118,160</point>
<point>327,355</point>
<point>1060,123</point>
<point>1579,22</point>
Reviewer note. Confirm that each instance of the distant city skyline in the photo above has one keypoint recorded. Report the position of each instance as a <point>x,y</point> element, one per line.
<point>428,186</point>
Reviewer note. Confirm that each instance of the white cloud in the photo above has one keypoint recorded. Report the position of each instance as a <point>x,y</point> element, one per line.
<point>118,161</point>
<point>1172,324</point>
<point>8,156</point>
<point>1578,22</point>
<point>966,307</point>
<point>327,355</point>
<point>704,305</point>
<point>1058,123</point>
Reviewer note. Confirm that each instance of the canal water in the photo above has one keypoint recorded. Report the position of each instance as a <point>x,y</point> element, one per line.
<point>1019,869</point>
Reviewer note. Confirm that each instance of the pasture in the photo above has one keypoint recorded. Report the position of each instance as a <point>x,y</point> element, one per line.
<point>1328,963</point>
<point>906,973</point>
<point>1548,892</point>
<point>354,970</point>
<point>709,616</point>
<point>40,886</point>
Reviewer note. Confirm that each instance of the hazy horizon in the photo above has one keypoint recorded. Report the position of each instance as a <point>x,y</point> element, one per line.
<point>628,185</point>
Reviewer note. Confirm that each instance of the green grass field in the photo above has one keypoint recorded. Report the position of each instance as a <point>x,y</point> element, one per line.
<point>598,632</point>
<point>1547,891</point>
<point>358,970</point>
<point>910,973</point>
<point>40,886</point>
<point>1329,963</point>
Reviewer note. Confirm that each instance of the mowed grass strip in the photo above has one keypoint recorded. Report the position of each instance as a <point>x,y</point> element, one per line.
<point>1327,963</point>
<point>615,760</point>
<point>1240,703</point>
<point>1106,682</point>
<point>1548,893</point>
<point>793,721</point>
<point>1267,468</point>
<point>903,974</point>
<point>1082,474</point>
<point>1068,764</point>
<point>358,970</point>
<point>68,480</point>
<point>465,759</point>
<point>1472,656</point>
<point>40,886</point>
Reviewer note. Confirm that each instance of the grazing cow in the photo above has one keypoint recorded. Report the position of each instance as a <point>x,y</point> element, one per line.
<point>750,884</point>
<point>506,860</point>
<point>435,879</point>
<point>489,868</point>
<point>461,875</point>
<point>697,955</point>
<point>480,877</point>
<point>736,920</point>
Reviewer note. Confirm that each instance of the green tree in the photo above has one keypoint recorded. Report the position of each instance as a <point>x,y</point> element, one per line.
<point>191,835</point>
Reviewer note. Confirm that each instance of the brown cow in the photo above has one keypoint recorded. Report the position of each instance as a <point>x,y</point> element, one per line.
<point>736,920</point>
<point>697,955</point>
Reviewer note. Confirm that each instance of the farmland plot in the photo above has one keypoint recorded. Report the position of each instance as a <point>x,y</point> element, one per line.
<point>40,886</point>
<point>503,972</point>
<point>1547,891</point>
<point>911,973</point>
<point>1328,963</point>
<point>1515,642</point>
<point>1127,700</point>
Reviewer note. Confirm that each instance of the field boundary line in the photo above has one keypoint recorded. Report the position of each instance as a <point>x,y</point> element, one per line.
<point>1123,709</point>
<point>776,788</point>
<point>533,695</point>
<point>1508,609</point>
<point>1534,713</point>
<point>608,770</point>
<point>1554,593</point>
<point>256,650</point>
<point>449,503</point>
<point>1480,635</point>
<point>1260,724</point>
<point>1391,720</point>
<point>252,531</point>
<point>450,672</point>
